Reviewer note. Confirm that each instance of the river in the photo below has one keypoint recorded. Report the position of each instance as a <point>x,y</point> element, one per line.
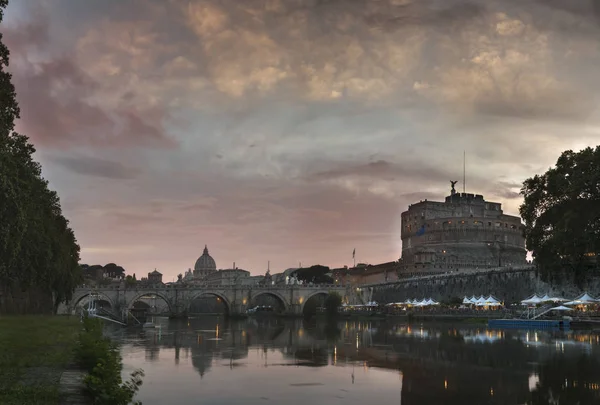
<point>216,361</point>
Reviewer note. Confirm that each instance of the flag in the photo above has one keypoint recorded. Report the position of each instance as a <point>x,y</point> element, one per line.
<point>353,253</point>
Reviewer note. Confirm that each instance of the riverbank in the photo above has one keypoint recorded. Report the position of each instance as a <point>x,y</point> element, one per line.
<point>34,352</point>
<point>419,317</point>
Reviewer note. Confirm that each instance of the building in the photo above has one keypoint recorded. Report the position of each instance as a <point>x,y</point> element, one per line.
<point>205,265</point>
<point>155,277</point>
<point>374,273</point>
<point>205,272</point>
<point>366,274</point>
<point>464,232</point>
<point>229,277</point>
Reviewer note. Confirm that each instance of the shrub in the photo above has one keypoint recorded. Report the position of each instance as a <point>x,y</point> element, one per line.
<point>101,359</point>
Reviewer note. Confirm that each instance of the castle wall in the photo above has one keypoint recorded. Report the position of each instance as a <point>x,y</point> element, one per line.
<point>507,285</point>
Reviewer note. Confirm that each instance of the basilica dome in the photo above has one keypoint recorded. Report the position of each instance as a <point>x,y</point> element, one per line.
<point>204,265</point>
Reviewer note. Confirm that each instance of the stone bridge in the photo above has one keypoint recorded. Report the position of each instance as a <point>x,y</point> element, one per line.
<point>178,298</point>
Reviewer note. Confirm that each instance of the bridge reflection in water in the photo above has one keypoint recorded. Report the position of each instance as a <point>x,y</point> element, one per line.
<point>433,364</point>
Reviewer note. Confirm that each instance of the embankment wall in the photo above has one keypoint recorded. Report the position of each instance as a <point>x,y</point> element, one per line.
<point>507,285</point>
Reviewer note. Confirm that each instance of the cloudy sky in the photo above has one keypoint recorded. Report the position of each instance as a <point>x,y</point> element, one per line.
<point>292,130</point>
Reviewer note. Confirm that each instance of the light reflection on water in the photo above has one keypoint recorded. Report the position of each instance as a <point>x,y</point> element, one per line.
<point>215,361</point>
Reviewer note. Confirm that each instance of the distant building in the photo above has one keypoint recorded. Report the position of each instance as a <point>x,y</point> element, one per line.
<point>155,277</point>
<point>205,265</point>
<point>463,232</point>
<point>228,277</point>
<point>366,274</point>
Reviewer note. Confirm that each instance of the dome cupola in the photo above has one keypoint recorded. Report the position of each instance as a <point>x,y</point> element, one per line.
<point>204,265</point>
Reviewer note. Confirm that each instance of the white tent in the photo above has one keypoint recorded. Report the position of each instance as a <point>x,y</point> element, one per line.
<point>431,302</point>
<point>547,298</point>
<point>492,300</point>
<point>532,300</point>
<point>466,301</point>
<point>473,300</point>
<point>480,301</point>
<point>561,308</point>
<point>584,299</point>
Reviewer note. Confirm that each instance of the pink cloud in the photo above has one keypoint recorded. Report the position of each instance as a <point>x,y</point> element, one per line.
<point>55,96</point>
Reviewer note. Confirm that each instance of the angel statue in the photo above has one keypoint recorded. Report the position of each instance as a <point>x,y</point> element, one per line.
<point>453,191</point>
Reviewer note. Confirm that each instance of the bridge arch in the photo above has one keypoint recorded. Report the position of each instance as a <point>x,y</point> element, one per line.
<point>75,301</point>
<point>313,296</point>
<point>284,303</point>
<point>217,294</point>
<point>162,296</point>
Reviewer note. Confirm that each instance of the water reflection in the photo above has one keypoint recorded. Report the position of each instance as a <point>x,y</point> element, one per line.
<point>293,362</point>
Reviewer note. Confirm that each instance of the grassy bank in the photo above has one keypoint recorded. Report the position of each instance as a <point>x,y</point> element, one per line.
<point>34,350</point>
<point>100,357</point>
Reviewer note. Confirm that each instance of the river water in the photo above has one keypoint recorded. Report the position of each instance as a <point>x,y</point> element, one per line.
<point>212,360</point>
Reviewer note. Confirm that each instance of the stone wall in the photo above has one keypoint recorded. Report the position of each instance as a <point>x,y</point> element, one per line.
<point>507,285</point>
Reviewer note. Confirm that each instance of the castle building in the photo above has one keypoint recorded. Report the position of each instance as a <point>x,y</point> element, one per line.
<point>464,232</point>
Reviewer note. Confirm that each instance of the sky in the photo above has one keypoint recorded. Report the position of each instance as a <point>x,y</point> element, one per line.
<point>292,131</point>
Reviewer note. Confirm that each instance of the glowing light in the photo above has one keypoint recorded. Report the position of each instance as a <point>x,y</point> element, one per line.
<point>445,384</point>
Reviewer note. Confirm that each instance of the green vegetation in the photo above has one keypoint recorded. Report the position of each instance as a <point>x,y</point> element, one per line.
<point>34,350</point>
<point>562,217</point>
<point>332,304</point>
<point>38,250</point>
<point>314,274</point>
<point>101,358</point>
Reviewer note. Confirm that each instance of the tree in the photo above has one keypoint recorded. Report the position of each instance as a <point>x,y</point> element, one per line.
<point>129,281</point>
<point>315,274</point>
<point>561,210</point>
<point>38,250</point>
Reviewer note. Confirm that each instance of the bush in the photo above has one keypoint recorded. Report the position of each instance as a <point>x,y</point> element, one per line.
<point>101,359</point>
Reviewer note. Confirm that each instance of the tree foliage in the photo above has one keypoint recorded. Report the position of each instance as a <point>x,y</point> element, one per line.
<point>315,274</point>
<point>37,246</point>
<point>561,211</point>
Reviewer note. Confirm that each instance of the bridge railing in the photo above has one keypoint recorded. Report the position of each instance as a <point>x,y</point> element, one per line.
<point>211,287</point>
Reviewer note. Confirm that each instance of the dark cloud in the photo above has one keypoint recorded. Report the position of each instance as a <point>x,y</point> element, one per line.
<point>306,127</point>
<point>426,13</point>
<point>382,169</point>
<point>90,166</point>
<point>54,98</point>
